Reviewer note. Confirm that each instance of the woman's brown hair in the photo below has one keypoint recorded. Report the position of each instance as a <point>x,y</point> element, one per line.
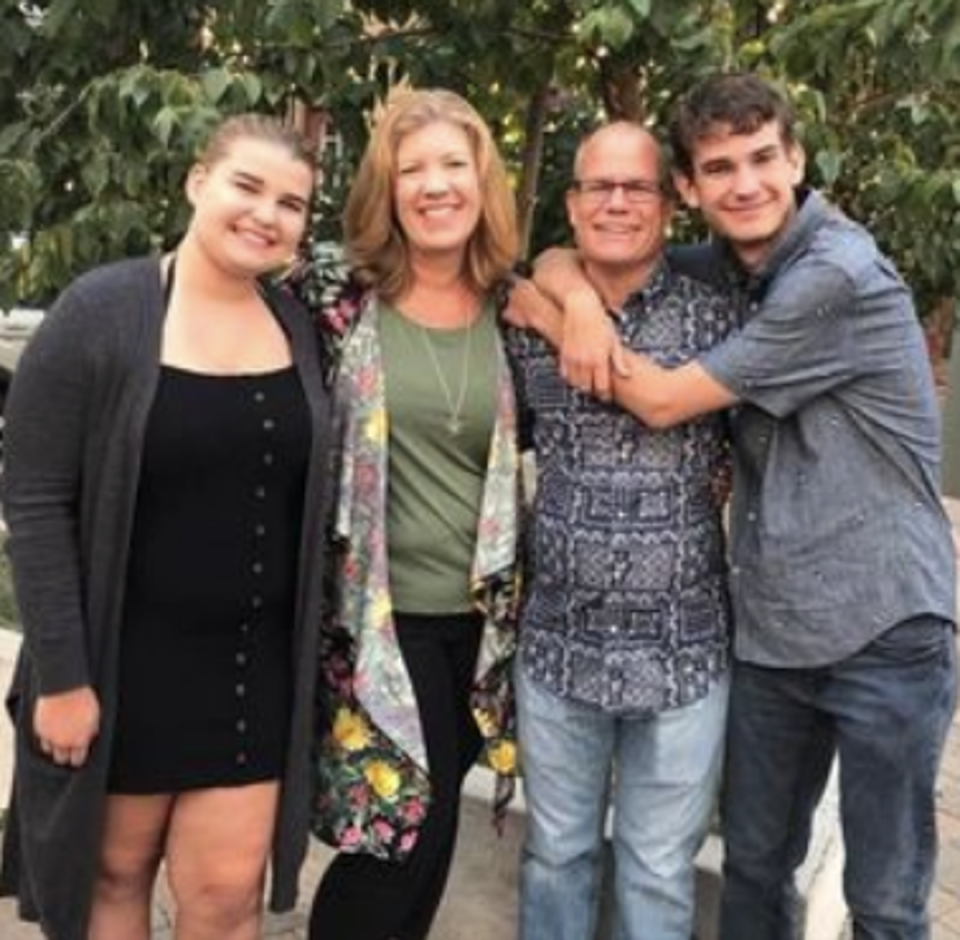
<point>376,245</point>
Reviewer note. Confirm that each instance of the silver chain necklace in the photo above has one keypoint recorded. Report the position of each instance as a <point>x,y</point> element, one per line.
<point>454,408</point>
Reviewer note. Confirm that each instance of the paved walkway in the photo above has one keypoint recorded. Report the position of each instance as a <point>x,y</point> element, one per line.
<point>946,893</point>
<point>481,899</point>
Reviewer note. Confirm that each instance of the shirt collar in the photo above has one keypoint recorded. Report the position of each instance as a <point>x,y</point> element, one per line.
<point>658,284</point>
<point>794,241</point>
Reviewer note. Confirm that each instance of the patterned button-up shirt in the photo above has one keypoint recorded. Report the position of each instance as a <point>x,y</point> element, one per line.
<point>627,606</point>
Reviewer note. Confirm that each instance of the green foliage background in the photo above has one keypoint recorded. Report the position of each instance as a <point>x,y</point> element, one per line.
<point>102,103</point>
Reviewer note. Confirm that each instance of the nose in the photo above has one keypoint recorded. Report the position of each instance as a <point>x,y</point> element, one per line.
<point>746,180</point>
<point>617,201</point>
<point>265,211</point>
<point>436,181</point>
<point>617,196</point>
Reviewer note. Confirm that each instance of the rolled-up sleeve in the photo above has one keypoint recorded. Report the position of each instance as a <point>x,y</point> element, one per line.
<point>796,345</point>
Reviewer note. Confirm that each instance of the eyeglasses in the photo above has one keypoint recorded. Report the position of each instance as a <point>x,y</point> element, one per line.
<point>635,192</point>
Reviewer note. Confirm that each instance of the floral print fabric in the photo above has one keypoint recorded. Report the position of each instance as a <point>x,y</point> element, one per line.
<point>372,786</point>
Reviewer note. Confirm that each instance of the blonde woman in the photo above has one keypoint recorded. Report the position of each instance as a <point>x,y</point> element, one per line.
<point>417,659</point>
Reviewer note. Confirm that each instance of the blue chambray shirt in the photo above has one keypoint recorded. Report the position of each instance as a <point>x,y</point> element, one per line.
<point>627,607</point>
<point>837,528</point>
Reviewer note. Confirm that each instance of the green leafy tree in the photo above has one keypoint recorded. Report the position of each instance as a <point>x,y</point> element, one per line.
<point>101,102</point>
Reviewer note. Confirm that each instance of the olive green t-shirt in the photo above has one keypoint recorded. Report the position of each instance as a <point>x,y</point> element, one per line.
<point>441,406</point>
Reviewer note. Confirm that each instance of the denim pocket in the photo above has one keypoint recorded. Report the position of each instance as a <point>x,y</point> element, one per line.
<point>914,640</point>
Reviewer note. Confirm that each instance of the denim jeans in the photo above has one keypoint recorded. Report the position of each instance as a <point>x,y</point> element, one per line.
<point>885,713</point>
<point>661,773</point>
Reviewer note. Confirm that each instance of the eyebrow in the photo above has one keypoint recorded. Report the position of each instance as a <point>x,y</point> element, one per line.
<point>246,177</point>
<point>459,153</point>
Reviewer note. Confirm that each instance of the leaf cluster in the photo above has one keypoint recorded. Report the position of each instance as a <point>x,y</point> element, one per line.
<point>103,102</point>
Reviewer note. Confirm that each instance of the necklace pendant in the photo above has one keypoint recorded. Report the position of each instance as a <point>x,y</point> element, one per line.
<point>454,425</point>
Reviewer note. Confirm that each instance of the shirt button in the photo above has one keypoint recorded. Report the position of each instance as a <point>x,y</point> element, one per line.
<point>268,459</point>
<point>241,759</point>
<point>244,627</point>
<point>259,530</point>
<point>240,689</point>
<point>751,517</point>
<point>242,726</point>
<point>260,492</point>
<point>256,601</point>
<point>257,567</point>
<point>259,397</point>
<point>269,424</point>
<point>241,659</point>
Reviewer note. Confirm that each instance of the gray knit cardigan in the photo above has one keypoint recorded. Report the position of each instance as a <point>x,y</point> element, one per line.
<point>75,422</point>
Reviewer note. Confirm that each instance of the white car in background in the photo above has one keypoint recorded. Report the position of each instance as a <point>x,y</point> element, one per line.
<point>17,325</point>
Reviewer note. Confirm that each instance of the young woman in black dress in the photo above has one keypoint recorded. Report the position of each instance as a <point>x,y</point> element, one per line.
<point>165,482</point>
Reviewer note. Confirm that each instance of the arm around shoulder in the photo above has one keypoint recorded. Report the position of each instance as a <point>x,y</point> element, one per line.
<point>664,397</point>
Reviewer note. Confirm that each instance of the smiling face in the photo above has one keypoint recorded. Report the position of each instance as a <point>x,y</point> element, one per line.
<point>436,190</point>
<point>250,206</point>
<point>744,184</point>
<point>617,207</point>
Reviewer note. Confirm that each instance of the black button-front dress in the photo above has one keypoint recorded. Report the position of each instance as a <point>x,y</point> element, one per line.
<point>206,674</point>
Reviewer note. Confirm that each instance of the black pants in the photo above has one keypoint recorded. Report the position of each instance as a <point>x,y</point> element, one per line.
<point>366,898</point>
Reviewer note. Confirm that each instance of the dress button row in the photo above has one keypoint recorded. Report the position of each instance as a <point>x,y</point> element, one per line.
<point>242,656</point>
<point>260,493</point>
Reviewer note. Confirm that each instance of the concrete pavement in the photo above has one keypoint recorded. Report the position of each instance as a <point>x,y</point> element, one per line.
<point>481,899</point>
<point>945,903</point>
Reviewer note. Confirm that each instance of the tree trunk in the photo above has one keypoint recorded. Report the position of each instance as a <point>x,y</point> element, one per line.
<point>535,123</point>
<point>621,91</point>
<point>951,427</point>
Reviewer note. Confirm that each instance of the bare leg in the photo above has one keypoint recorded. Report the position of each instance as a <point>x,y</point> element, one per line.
<point>134,835</point>
<point>217,850</point>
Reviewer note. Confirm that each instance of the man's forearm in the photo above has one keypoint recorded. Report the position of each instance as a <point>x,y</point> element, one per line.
<point>662,397</point>
<point>560,275</point>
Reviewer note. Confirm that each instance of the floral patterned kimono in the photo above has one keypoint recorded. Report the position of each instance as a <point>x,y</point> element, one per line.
<point>372,778</point>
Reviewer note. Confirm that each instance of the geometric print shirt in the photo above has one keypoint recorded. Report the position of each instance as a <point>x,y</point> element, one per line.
<point>626,606</point>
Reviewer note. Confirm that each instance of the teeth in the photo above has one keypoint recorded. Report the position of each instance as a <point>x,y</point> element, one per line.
<point>256,237</point>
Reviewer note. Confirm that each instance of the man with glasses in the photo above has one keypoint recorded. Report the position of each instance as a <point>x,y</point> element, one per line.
<point>622,674</point>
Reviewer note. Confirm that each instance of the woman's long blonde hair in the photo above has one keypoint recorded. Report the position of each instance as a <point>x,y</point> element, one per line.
<point>376,245</point>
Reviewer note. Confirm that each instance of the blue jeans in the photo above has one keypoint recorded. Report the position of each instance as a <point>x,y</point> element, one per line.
<point>885,713</point>
<point>661,773</point>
